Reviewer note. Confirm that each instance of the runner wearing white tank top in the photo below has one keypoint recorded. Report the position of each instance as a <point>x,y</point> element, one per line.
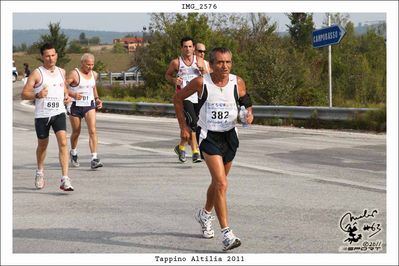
<point>53,103</point>
<point>82,88</point>
<point>46,86</point>
<point>187,73</point>
<point>180,72</point>
<point>219,93</point>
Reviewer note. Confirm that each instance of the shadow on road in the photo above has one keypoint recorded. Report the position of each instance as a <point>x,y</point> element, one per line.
<point>110,238</point>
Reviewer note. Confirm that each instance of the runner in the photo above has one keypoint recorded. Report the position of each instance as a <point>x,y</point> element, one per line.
<point>219,94</point>
<point>180,72</point>
<point>83,90</point>
<point>200,51</point>
<point>46,85</point>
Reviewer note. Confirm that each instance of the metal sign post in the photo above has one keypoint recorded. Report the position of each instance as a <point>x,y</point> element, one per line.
<point>329,68</point>
<point>328,36</point>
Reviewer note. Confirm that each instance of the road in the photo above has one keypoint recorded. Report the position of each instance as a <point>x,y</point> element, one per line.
<point>289,188</point>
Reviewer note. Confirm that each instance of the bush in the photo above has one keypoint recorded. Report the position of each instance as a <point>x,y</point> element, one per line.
<point>372,120</point>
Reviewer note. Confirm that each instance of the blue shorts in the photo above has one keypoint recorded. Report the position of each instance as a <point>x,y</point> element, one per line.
<point>80,111</point>
<point>42,125</point>
<point>224,144</point>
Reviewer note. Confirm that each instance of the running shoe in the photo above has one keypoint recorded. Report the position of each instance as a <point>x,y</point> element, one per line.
<point>205,220</point>
<point>74,159</point>
<point>181,154</point>
<point>95,163</point>
<point>230,241</point>
<point>39,180</point>
<point>66,184</point>
<point>196,157</point>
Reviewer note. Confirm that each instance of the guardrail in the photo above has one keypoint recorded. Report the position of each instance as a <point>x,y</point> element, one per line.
<point>119,77</point>
<point>290,112</point>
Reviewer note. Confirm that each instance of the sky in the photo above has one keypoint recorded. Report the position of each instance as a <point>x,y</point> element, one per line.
<point>131,22</point>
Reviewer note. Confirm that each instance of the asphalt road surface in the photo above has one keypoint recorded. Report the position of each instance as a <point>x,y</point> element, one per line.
<point>290,191</point>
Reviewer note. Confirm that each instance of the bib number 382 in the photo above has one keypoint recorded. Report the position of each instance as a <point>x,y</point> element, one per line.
<point>220,114</point>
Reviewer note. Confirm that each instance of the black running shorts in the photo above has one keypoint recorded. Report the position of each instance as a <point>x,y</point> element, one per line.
<point>224,144</point>
<point>191,114</point>
<point>42,125</point>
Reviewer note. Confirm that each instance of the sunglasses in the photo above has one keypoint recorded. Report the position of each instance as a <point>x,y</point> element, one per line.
<point>202,51</point>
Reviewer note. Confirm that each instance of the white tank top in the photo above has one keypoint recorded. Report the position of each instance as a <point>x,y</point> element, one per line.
<point>219,110</point>
<point>85,88</point>
<point>187,73</point>
<point>53,103</point>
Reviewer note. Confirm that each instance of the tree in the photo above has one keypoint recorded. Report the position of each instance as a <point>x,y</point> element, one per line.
<point>100,66</point>
<point>301,29</point>
<point>164,45</point>
<point>359,69</point>
<point>75,47</point>
<point>337,19</point>
<point>119,49</point>
<point>94,40</point>
<point>278,70</point>
<point>82,38</point>
<point>58,39</point>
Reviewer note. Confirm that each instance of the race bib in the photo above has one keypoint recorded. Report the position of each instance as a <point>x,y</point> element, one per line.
<point>221,116</point>
<point>52,104</point>
<point>84,101</point>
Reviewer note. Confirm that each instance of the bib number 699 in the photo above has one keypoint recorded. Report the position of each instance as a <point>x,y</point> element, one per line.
<point>53,104</point>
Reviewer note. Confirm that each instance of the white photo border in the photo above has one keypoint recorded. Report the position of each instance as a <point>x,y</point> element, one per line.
<point>388,7</point>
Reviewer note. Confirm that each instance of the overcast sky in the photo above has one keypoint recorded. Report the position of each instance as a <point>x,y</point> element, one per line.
<point>130,22</point>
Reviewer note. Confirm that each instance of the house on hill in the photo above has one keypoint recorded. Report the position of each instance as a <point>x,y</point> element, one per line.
<point>130,43</point>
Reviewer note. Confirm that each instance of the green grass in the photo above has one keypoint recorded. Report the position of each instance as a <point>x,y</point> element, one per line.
<point>113,62</point>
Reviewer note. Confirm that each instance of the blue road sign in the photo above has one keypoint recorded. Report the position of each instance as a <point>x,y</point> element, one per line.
<point>327,36</point>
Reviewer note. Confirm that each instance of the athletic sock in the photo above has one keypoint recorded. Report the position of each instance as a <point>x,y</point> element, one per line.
<point>94,156</point>
<point>74,152</point>
<point>195,151</point>
<point>226,229</point>
<point>182,148</point>
<point>63,177</point>
<point>205,211</point>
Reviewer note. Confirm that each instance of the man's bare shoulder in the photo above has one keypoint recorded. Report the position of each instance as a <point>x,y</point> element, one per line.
<point>175,62</point>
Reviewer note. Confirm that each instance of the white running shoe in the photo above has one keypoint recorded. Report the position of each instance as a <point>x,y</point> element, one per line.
<point>74,159</point>
<point>230,241</point>
<point>205,220</point>
<point>39,180</point>
<point>66,184</point>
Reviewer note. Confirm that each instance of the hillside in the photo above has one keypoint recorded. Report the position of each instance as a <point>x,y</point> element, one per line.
<point>113,62</point>
<point>30,36</point>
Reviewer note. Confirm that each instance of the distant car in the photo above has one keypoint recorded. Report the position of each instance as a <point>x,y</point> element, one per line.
<point>14,72</point>
<point>136,72</point>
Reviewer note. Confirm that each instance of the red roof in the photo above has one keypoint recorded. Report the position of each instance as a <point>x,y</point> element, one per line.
<point>130,40</point>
